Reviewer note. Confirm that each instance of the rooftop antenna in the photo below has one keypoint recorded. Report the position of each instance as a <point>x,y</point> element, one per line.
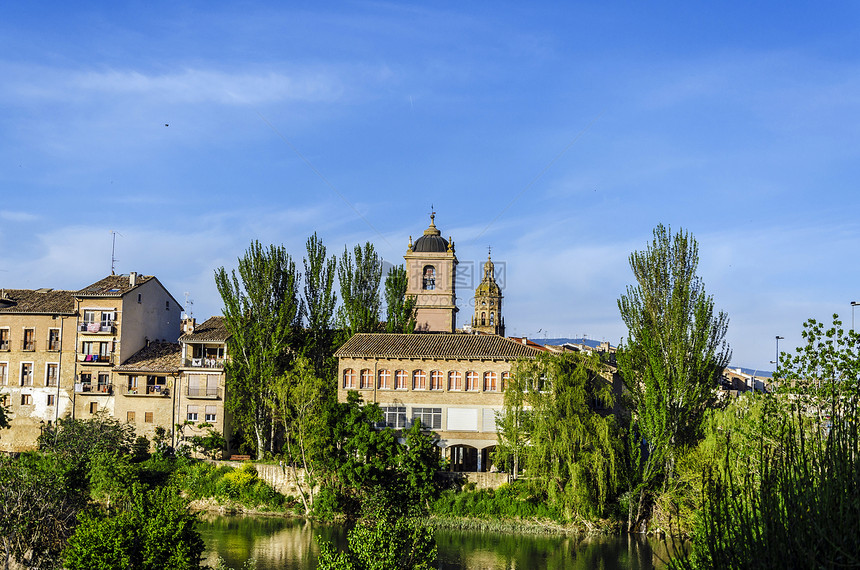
<point>113,259</point>
<point>189,304</point>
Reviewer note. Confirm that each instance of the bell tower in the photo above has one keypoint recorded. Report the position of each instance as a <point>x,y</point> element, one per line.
<point>432,267</point>
<point>488,303</point>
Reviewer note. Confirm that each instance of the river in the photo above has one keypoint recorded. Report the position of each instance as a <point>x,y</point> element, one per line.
<point>290,544</point>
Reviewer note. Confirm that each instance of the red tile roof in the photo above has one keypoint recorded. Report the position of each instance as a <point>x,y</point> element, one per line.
<point>112,286</point>
<point>43,301</point>
<point>435,346</point>
<point>157,357</point>
<point>213,329</point>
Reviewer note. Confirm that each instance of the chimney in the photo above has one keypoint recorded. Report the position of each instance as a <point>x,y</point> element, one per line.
<point>132,278</point>
<point>525,340</point>
<point>188,325</point>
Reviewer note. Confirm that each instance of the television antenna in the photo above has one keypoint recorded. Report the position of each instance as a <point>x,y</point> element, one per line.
<point>113,258</point>
<point>189,306</point>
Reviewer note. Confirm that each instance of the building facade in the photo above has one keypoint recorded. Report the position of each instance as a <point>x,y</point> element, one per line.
<point>453,383</point>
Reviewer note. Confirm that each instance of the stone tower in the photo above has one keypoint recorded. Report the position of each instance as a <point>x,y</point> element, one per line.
<point>432,266</point>
<point>488,303</point>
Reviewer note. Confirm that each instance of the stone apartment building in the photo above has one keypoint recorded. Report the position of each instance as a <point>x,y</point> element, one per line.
<point>110,347</point>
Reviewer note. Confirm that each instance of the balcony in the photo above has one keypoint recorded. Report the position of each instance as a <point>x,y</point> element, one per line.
<point>146,391</point>
<point>204,392</point>
<point>97,328</point>
<point>4,345</point>
<point>94,390</point>
<point>95,358</point>
<point>28,345</point>
<point>204,362</point>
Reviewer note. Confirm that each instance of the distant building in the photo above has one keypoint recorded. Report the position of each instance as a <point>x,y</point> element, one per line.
<point>431,267</point>
<point>488,317</point>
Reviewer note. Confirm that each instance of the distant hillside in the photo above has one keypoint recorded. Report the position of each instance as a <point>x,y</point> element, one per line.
<point>595,343</point>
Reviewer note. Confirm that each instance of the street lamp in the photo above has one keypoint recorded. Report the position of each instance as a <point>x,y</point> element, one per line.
<point>853,304</point>
<point>778,338</point>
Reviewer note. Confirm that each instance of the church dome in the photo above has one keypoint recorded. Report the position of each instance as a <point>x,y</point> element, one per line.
<point>432,240</point>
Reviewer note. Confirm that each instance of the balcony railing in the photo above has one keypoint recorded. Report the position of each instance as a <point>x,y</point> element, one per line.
<point>94,389</point>
<point>211,392</point>
<point>4,345</point>
<point>95,358</point>
<point>54,345</point>
<point>28,345</point>
<point>205,362</point>
<point>150,391</point>
<point>97,328</point>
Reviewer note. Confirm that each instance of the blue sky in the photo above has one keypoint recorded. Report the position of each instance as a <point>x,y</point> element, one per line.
<point>559,134</point>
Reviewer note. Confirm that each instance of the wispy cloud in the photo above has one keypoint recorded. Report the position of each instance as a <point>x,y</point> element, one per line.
<point>11,216</point>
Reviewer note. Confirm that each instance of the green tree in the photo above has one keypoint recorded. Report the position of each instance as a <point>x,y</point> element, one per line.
<point>261,311</point>
<point>303,411</point>
<point>671,360</point>
<point>417,463</point>
<point>399,308</point>
<point>80,439</point>
<point>359,275</point>
<point>155,532</point>
<point>40,497</point>
<point>513,425</point>
<point>574,454</point>
<point>319,306</point>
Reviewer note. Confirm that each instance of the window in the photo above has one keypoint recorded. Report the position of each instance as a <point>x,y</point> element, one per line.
<point>349,378</point>
<point>384,380</point>
<point>4,400</point>
<point>108,317</point>
<point>54,339</point>
<point>393,416</point>
<point>419,380</point>
<point>483,319</point>
<point>138,298</point>
<point>87,348</point>
<point>4,373</point>
<point>429,277</point>
<point>26,374</point>
<point>51,399</point>
<point>104,350</point>
<point>129,417</point>
<point>4,339</point>
<point>366,378</point>
<point>455,380</point>
<point>192,414</point>
<point>400,380</point>
<point>435,379</point>
<point>431,418</point>
<point>89,317</point>
<point>51,375</point>
<point>147,417</point>
<point>506,378</point>
<point>492,319</point>
<point>86,378</point>
<point>94,407</point>
<point>490,382</point>
<point>29,339</point>
<point>471,381</point>
<point>26,400</point>
<point>167,305</point>
<point>210,414</point>
<point>104,382</point>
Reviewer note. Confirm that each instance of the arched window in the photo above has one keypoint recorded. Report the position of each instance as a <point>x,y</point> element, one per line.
<point>472,381</point>
<point>349,378</point>
<point>429,277</point>
<point>492,319</point>
<point>483,318</point>
<point>400,380</point>
<point>490,382</point>
<point>455,380</point>
<point>419,380</point>
<point>384,379</point>
<point>366,379</point>
<point>435,379</point>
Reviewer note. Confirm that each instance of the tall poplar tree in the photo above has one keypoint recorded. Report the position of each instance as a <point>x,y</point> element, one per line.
<point>399,309</point>
<point>261,313</point>
<point>360,274</point>
<point>671,360</point>
<point>319,304</point>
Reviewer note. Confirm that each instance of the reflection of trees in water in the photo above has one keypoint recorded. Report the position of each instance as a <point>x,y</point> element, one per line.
<point>291,544</point>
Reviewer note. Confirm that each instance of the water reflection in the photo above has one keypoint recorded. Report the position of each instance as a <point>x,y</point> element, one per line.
<point>290,544</point>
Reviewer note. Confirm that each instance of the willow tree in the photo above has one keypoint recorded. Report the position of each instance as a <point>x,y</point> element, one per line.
<point>573,452</point>
<point>359,275</point>
<point>261,313</point>
<point>671,360</point>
